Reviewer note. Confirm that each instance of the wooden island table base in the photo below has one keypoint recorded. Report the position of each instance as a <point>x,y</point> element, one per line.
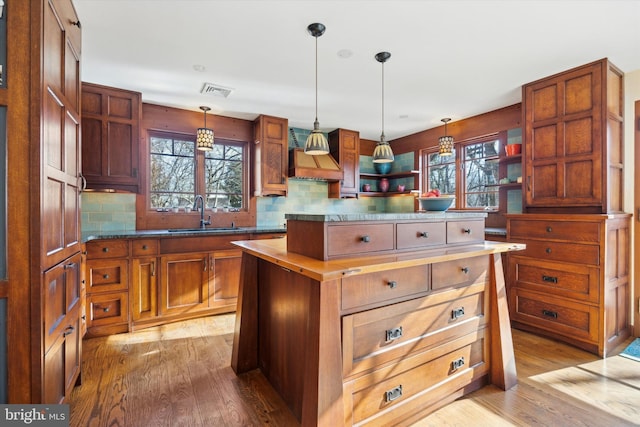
<point>382,339</point>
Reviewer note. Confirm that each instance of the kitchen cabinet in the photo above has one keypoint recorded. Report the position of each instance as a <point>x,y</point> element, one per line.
<point>144,279</point>
<point>108,287</point>
<point>374,340</point>
<point>225,278</point>
<point>184,283</point>
<point>573,141</point>
<point>110,137</point>
<point>270,156</point>
<point>572,281</point>
<point>62,330</point>
<point>344,146</point>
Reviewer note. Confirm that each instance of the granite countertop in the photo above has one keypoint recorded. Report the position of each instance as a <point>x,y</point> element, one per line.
<point>186,232</point>
<point>431,215</point>
<point>495,231</point>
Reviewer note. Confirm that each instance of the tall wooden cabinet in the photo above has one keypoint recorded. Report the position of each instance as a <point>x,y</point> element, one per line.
<point>573,140</point>
<point>270,156</point>
<point>345,148</point>
<point>110,137</point>
<point>43,192</point>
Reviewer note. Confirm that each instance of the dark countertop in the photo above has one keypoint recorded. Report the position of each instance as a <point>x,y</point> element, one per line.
<point>495,231</point>
<point>187,232</point>
<point>343,217</point>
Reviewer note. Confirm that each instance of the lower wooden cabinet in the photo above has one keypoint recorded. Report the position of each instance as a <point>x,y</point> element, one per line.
<point>184,283</point>
<point>144,289</point>
<point>62,329</point>
<point>572,281</point>
<point>225,279</point>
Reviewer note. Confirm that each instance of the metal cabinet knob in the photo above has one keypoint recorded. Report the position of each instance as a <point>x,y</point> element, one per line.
<point>366,239</point>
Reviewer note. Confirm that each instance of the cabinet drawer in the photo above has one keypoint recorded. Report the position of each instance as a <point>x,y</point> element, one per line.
<point>460,272</point>
<point>108,309</point>
<point>558,251</point>
<point>379,398</point>
<point>420,234</point>
<point>465,231</point>
<point>555,230</point>
<point>359,239</point>
<point>144,247</point>
<point>383,286</point>
<point>567,280</point>
<point>107,249</point>
<point>557,315</point>
<point>374,337</point>
<point>108,275</point>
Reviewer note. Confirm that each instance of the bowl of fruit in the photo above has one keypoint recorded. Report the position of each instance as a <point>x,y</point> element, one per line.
<point>434,201</point>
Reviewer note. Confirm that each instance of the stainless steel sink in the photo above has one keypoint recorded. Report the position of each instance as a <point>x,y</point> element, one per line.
<point>191,230</point>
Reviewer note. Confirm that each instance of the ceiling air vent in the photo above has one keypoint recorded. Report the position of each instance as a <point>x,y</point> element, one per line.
<point>216,90</point>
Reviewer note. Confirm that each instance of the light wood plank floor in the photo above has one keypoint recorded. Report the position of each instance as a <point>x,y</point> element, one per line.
<point>179,375</point>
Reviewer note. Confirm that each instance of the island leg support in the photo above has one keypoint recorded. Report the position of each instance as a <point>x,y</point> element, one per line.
<point>503,364</point>
<point>244,356</point>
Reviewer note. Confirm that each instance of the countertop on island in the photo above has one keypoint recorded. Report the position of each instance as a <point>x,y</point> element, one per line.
<point>425,215</point>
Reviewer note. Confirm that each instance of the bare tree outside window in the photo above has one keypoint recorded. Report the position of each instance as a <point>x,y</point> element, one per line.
<point>173,178</point>
<point>481,174</point>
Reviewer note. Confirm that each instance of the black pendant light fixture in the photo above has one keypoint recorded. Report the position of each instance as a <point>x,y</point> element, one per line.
<point>316,141</point>
<point>382,153</point>
<point>445,142</point>
<point>204,135</point>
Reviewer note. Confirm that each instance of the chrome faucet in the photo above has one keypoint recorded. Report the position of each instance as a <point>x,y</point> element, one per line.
<point>203,223</point>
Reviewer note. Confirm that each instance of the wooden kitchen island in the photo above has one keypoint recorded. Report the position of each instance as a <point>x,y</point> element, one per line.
<point>381,320</point>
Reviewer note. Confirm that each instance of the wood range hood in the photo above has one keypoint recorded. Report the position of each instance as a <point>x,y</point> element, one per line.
<point>323,167</point>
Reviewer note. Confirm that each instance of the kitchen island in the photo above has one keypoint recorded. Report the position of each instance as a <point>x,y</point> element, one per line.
<point>374,328</point>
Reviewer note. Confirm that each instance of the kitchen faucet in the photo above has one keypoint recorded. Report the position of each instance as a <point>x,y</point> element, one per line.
<point>203,223</point>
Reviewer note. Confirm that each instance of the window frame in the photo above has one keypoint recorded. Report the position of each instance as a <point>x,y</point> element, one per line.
<point>460,181</point>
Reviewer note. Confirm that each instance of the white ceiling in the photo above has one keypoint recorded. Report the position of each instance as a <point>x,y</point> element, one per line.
<point>449,58</point>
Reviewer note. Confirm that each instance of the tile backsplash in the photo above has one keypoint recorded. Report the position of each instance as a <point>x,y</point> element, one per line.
<point>105,212</point>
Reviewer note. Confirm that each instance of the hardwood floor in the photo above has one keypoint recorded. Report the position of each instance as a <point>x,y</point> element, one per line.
<point>179,375</point>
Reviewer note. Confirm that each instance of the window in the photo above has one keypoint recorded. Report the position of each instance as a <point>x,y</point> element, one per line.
<point>178,172</point>
<point>474,182</point>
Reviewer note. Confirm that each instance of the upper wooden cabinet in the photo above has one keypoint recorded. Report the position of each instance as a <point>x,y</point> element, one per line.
<point>271,156</point>
<point>573,141</point>
<point>110,137</point>
<point>345,148</point>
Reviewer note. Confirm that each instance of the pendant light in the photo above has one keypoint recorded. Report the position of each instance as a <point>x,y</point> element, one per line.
<point>445,142</point>
<point>382,153</point>
<point>316,141</point>
<point>204,135</point>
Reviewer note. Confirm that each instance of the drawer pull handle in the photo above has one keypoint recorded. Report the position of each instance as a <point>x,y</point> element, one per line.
<point>366,239</point>
<point>393,394</point>
<point>548,250</point>
<point>457,364</point>
<point>105,249</point>
<point>465,270</point>
<point>106,309</point>
<point>549,229</point>
<point>457,313</point>
<point>549,279</point>
<point>105,276</point>
<point>466,230</point>
<point>70,265</point>
<point>550,313</point>
<point>392,284</point>
<point>144,247</point>
<point>424,234</point>
<point>68,331</point>
<point>393,334</point>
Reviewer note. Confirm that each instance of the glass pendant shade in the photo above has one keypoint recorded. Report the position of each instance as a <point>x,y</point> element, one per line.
<point>382,153</point>
<point>204,135</point>
<point>316,143</point>
<point>445,143</point>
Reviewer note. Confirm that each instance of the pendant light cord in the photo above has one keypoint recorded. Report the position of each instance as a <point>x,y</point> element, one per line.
<point>383,99</point>
<point>316,37</point>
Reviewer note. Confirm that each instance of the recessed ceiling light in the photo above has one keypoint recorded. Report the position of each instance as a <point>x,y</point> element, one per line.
<point>199,68</point>
<point>345,53</point>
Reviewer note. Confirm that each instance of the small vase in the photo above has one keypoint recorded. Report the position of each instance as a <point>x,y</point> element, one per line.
<point>384,185</point>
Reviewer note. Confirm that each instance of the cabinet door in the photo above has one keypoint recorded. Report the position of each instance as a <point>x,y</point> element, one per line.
<point>110,137</point>
<point>271,154</point>
<point>184,282</point>
<point>564,139</point>
<point>60,134</point>
<point>345,148</point>
<point>144,284</point>
<point>226,278</point>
